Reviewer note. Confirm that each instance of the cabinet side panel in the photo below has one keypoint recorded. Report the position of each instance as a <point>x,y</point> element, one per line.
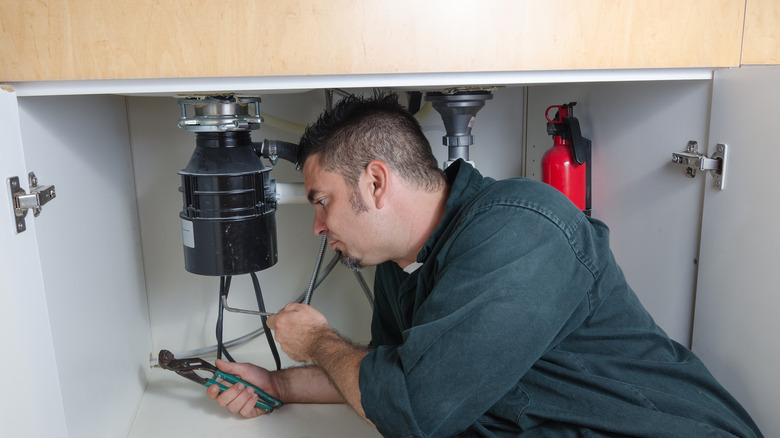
<point>29,361</point>
<point>90,258</point>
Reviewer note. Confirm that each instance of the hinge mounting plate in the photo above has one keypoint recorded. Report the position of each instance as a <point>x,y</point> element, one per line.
<point>21,201</point>
<point>694,161</point>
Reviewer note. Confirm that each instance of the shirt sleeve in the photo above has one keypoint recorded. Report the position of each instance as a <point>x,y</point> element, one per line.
<point>507,286</point>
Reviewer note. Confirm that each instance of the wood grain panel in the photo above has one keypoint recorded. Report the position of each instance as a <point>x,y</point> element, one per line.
<point>96,39</point>
<point>762,32</point>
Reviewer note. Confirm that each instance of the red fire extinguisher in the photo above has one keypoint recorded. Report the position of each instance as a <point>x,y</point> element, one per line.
<point>566,166</point>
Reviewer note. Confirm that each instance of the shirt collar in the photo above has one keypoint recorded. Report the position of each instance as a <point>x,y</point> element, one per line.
<point>412,267</point>
<point>464,182</point>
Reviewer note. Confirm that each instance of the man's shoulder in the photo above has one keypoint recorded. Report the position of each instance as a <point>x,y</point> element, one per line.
<point>526,194</point>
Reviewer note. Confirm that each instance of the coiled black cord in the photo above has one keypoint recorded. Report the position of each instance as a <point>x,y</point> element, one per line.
<point>224,289</point>
<point>268,336</point>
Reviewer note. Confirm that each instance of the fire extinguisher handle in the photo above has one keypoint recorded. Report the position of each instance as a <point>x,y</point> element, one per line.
<point>579,144</point>
<point>554,120</point>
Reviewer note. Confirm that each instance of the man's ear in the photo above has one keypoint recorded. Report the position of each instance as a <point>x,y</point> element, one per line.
<point>378,174</point>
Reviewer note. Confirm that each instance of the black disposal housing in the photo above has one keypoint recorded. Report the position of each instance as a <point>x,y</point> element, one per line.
<point>229,214</point>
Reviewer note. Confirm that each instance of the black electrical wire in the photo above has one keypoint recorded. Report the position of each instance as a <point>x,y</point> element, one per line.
<point>219,317</point>
<point>224,289</point>
<point>261,307</point>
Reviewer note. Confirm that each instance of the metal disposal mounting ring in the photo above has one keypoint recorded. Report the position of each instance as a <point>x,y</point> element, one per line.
<point>220,113</point>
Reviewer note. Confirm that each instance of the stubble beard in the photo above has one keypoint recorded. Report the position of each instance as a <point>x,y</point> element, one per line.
<point>353,263</point>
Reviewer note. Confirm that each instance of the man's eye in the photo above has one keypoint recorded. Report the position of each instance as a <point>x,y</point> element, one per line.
<point>321,202</point>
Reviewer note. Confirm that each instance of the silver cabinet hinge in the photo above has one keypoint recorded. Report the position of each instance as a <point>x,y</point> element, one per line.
<point>22,201</point>
<point>694,161</point>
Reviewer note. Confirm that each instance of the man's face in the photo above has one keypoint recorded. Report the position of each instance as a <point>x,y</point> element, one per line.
<point>340,212</point>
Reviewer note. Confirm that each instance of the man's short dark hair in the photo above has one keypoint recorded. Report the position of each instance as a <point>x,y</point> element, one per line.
<point>361,129</point>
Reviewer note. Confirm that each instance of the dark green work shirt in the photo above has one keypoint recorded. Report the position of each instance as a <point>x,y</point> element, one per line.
<point>519,321</point>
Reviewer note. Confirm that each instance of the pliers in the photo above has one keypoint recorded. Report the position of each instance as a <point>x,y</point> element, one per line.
<point>187,367</point>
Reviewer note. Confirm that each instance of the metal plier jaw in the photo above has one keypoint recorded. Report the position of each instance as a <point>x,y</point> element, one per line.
<point>187,368</point>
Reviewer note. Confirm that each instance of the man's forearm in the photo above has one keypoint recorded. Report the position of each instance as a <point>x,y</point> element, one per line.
<point>306,384</point>
<point>340,360</point>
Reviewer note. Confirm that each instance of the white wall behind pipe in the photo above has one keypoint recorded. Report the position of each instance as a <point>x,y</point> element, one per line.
<point>291,193</point>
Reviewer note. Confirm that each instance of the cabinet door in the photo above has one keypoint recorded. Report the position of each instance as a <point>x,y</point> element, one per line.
<point>32,402</point>
<point>736,323</point>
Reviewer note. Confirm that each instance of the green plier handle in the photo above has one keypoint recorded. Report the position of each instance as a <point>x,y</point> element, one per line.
<point>265,401</point>
<point>188,367</point>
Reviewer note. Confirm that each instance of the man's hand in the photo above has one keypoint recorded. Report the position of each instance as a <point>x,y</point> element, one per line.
<point>239,399</point>
<point>305,336</point>
<point>297,328</point>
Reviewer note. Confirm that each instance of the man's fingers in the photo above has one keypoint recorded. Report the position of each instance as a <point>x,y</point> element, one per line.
<point>244,402</point>
<point>224,365</point>
<point>249,409</point>
<point>234,397</point>
<point>213,392</point>
<point>225,397</point>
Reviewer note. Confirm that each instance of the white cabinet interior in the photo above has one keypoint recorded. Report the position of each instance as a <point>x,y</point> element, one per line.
<point>110,248</point>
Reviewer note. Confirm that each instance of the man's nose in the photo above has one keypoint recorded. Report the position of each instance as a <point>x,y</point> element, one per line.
<point>319,225</point>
